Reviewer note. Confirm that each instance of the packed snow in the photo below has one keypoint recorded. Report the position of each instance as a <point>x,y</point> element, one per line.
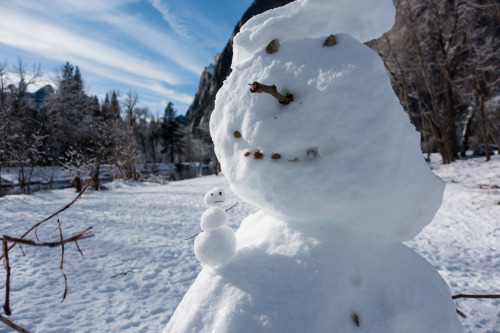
<point>339,181</point>
<point>362,19</point>
<point>367,152</point>
<point>144,226</point>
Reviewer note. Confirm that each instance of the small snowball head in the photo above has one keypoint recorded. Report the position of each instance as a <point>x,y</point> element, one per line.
<point>216,197</point>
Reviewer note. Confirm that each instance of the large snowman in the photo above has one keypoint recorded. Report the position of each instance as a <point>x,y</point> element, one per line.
<point>308,129</point>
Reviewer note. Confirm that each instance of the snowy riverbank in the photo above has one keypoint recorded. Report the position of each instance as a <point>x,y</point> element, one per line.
<point>140,230</point>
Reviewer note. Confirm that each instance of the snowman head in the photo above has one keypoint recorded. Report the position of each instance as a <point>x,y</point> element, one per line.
<point>342,152</point>
<point>215,198</point>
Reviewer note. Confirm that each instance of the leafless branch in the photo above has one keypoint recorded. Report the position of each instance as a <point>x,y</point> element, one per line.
<point>12,325</point>
<point>231,207</point>
<point>6,238</point>
<point>6,306</point>
<point>62,244</point>
<point>474,296</point>
<point>65,286</point>
<point>131,269</point>
<point>36,225</point>
<point>78,248</point>
<point>194,235</point>
<point>461,314</point>
<point>81,235</point>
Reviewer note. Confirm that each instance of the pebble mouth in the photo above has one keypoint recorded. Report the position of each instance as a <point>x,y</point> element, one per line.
<point>259,154</point>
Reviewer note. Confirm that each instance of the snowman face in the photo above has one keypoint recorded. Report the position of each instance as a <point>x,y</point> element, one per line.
<point>216,197</point>
<point>343,151</point>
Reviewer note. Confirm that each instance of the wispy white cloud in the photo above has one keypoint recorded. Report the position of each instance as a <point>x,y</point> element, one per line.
<point>164,45</point>
<point>150,85</point>
<point>177,25</point>
<point>29,33</point>
<point>72,6</point>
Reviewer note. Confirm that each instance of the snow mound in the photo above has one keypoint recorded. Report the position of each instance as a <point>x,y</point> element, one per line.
<point>290,279</point>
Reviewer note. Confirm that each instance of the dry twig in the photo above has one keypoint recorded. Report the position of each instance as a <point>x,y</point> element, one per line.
<point>194,235</point>
<point>257,87</point>
<point>81,235</point>
<point>20,240</point>
<point>6,238</point>
<point>130,270</point>
<point>12,325</point>
<point>36,225</point>
<point>472,296</point>
<point>231,207</point>
<point>6,306</point>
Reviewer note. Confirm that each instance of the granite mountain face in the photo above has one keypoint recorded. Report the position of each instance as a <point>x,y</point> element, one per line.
<point>214,75</point>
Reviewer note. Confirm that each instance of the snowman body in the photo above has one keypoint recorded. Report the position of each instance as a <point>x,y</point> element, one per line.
<point>290,278</point>
<point>340,180</point>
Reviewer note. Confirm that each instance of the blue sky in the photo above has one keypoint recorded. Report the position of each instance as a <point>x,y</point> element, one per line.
<point>156,48</point>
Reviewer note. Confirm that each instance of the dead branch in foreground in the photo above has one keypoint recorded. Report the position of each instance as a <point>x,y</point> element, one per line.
<point>12,325</point>
<point>36,225</point>
<point>5,239</point>
<point>81,235</point>
<point>472,296</point>
<point>87,233</point>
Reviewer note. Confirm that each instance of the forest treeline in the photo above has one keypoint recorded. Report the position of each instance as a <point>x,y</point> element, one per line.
<point>64,127</point>
<point>444,62</point>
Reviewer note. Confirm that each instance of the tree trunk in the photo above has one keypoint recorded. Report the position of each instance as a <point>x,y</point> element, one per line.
<point>95,177</point>
<point>452,128</point>
<point>464,140</point>
<point>77,182</point>
<point>484,133</point>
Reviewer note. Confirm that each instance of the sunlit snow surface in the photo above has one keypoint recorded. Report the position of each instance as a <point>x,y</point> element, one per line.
<point>144,225</point>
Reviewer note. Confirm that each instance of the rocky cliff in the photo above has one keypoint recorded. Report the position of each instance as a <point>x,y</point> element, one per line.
<point>212,78</point>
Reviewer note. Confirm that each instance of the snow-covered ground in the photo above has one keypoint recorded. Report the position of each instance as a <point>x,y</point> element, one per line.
<point>138,266</point>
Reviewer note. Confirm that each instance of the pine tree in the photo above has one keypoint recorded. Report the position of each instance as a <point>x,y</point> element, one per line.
<point>171,133</point>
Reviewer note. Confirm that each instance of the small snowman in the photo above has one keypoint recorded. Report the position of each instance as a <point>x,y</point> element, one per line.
<point>216,244</point>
